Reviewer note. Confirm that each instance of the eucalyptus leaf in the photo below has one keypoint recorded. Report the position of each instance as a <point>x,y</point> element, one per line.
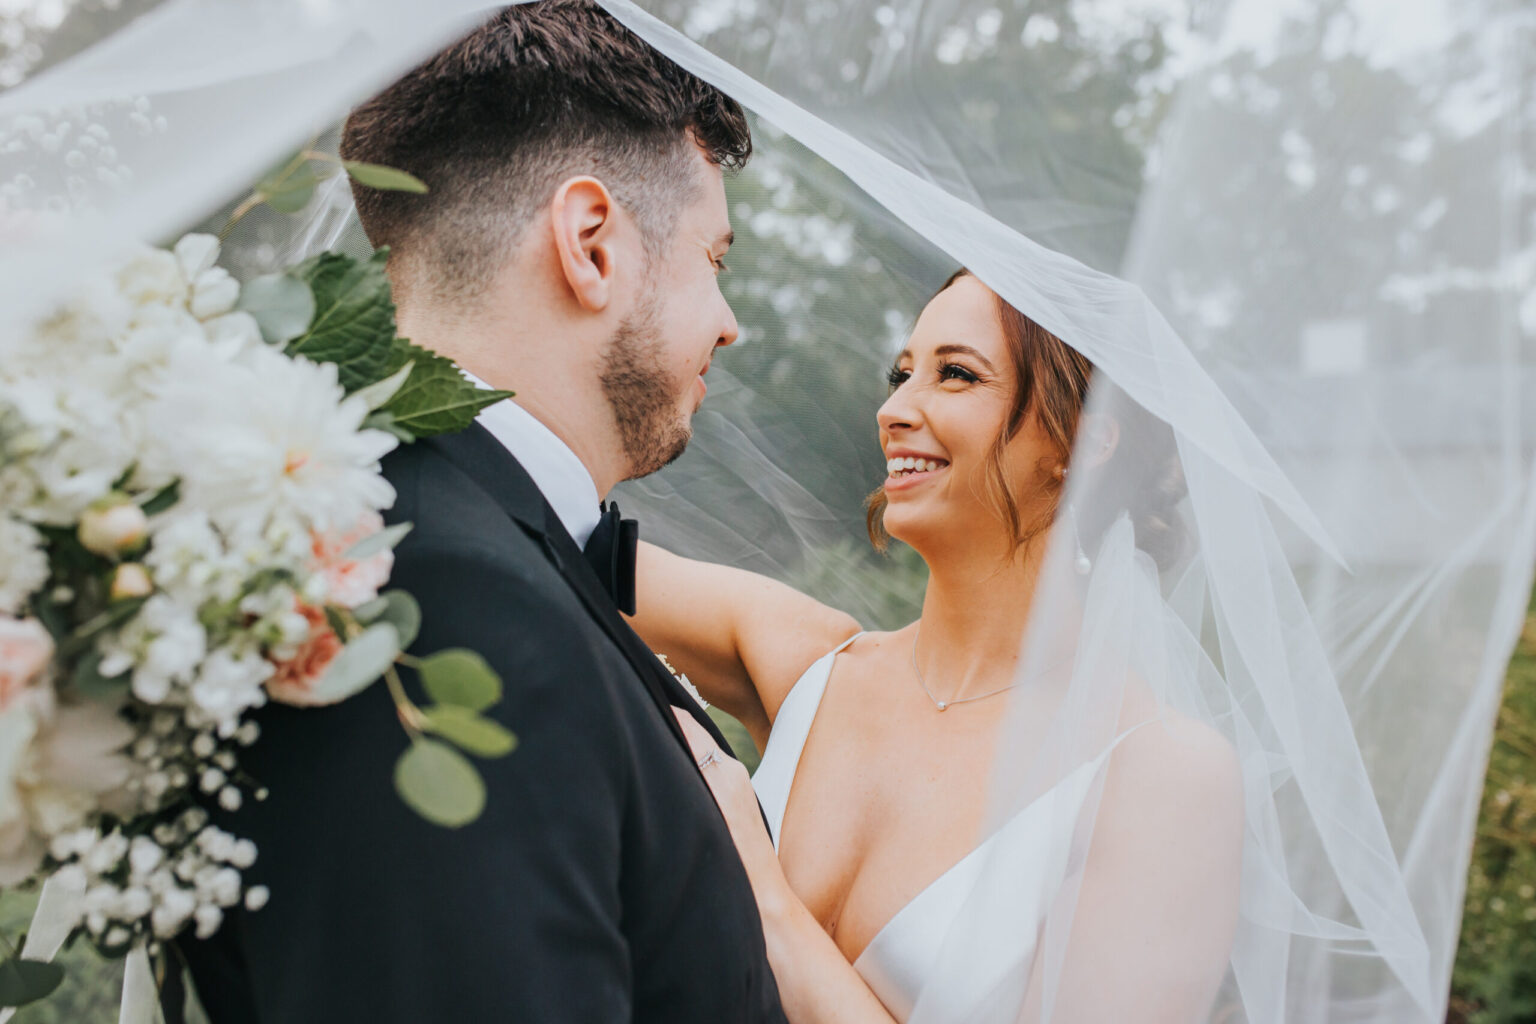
<point>370,610</point>
<point>470,730</point>
<point>440,784</point>
<point>289,193</point>
<point>380,392</point>
<point>400,610</point>
<point>359,664</point>
<point>389,179</point>
<point>283,306</point>
<point>384,540</point>
<point>27,981</point>
<point>460,677</point>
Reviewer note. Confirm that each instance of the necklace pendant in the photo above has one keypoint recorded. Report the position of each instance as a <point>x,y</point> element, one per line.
<point>943,705</point>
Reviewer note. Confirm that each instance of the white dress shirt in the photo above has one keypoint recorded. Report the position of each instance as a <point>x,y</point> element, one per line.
<point>555,469</point>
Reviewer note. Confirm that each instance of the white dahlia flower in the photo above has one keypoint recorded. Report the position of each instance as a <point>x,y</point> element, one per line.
<point>288,443</point>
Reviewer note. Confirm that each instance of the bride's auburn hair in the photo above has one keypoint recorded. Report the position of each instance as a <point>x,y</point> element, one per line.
<point>1052,385</point>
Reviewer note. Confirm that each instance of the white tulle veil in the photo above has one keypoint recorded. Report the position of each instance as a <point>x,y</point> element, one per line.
<point>1295,240</point>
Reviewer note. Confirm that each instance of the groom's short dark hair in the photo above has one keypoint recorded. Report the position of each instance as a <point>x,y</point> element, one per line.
<point>540,92</point>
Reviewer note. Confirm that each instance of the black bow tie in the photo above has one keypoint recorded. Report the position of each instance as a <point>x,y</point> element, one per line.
<point>611,553</point>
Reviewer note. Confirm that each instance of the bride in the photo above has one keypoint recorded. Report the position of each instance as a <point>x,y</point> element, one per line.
<point>877,747</point>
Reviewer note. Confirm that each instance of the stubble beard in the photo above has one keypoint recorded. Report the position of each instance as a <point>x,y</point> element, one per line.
<point>652,430</point>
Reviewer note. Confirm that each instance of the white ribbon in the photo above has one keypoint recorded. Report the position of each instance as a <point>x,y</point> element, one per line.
<point>141,1000</point>
<point>58,911</point>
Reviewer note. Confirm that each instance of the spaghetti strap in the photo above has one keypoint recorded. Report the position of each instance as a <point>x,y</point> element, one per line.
<point>776,771</point>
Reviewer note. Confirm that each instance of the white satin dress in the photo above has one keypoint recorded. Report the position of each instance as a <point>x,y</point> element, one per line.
<point>966,942</point>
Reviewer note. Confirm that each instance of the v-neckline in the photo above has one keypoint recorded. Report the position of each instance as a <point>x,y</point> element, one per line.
<point>782,811</point>
<point>830,660</point>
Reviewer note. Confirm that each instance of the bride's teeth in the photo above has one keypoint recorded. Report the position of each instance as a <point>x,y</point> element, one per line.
<point>911,463</point>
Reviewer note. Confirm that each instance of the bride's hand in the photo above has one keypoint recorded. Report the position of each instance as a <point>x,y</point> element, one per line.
<point>729,782</point>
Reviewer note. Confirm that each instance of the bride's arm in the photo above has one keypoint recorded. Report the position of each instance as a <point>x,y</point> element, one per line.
<point>741,638</point>
<point>1154,917</point>
<point>817,984</point>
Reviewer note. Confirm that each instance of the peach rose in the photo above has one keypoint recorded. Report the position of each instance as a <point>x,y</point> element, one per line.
<point>25,651</point>
<point>351,583</point>
<point>294,680</point>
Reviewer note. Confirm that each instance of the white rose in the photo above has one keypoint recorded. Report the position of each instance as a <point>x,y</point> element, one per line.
<point>23,564</point>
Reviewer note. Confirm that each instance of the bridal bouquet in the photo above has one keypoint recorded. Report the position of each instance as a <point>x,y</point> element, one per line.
<point>190,526</point>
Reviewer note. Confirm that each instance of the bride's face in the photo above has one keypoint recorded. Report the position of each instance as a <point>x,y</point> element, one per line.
<point>954,391</point>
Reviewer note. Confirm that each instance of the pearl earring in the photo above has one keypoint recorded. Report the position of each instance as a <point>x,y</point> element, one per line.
<point>1083,563</point>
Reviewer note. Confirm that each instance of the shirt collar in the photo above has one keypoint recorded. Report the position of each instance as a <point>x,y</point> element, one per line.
<point>559,475</point>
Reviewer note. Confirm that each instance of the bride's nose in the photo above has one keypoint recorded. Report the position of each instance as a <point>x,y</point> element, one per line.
<point>900,411</point>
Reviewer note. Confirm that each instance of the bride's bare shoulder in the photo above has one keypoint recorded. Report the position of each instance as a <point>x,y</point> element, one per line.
<point>1178,769</point>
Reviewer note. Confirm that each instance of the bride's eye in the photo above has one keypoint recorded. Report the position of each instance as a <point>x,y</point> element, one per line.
<point>896,377</point>
<point>954,371</point>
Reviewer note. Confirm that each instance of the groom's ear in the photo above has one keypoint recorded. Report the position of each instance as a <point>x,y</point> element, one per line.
<point>584,217</point>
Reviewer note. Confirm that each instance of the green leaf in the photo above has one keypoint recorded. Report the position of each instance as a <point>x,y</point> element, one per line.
<point>289,193</point>
<point>359,664</point>
<point>85,634</point>
<point>337,621</point>
<point>354,321</point>
<point>282,305</point>
<point>397,608</point>
<point>88,681</point>
<point>378,176</point>
<point>470,730</point>
<point>27,981</point>
<point>437,398</point>
<point>460,677</point>
<point>380,392</point>
<point>384,540</point>
<point>440,784</point>
<point>162,499</point>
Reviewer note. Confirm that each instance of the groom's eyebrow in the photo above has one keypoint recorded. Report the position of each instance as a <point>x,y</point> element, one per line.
<point>727,240</point>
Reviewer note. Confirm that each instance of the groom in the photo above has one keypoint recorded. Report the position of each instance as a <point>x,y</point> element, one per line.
<point>568,250</point>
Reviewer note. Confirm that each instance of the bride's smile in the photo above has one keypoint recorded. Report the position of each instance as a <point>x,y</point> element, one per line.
<point>963,454</point>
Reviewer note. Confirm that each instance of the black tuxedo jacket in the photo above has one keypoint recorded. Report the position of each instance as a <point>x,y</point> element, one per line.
<point>600,885</point>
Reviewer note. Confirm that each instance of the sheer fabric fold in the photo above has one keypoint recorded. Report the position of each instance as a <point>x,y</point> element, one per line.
<point>1295,243</point>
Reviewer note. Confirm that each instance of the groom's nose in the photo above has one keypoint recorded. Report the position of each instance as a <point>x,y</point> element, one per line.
<point>729,329</point>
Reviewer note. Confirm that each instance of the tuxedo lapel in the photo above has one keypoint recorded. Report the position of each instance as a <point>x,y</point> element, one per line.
<point>483,459</point>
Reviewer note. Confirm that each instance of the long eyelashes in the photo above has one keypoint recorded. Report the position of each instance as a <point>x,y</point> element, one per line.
<point>896,377</point>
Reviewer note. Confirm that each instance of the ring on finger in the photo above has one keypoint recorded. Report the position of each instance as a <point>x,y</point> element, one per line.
<point>713,757</point>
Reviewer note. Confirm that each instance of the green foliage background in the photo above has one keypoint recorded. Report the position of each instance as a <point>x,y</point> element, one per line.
<point>1495,976</point>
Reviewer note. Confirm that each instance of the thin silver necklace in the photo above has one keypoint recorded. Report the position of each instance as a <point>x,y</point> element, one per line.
<point>945,705</point>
